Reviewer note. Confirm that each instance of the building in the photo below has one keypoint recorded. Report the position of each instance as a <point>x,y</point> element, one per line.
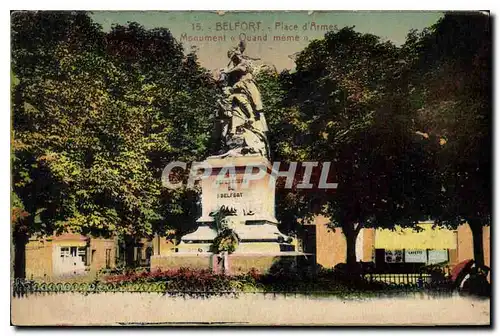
<point>68,256</point>
<point>75,256</point>
<point>391,249</point>
<point>80,257</point>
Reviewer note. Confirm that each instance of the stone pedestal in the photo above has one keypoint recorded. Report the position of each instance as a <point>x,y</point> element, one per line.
<point>252,199</point>
<point>227,186</point>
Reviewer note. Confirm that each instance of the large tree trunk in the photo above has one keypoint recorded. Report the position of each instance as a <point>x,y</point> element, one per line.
<point>20,242</point>
<point>477,241</point>
<point>130,244</point>
<point>350,238</point>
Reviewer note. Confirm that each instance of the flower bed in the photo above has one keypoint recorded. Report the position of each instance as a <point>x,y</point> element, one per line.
<point>185,279</point>
<point>190,280</point>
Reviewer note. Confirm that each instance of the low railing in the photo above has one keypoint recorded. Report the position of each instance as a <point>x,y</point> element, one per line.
<point>409,280</point>
<point>382,283</point>
<point>22,287</point>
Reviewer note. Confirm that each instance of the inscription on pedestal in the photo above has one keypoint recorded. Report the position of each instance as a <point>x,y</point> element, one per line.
<point>249,197</point>
<point>230,195</point>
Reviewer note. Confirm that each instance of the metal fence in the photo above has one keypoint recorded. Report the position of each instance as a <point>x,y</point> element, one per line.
<point>21,286</point>
<point>375,281</point>
<point>409,280</point>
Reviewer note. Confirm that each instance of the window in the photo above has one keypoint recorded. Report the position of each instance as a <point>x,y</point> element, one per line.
<point>394,256</point>
<point>108,258</point>
<point>65,252</point>
<point>429,257</point>
<point>415,256</point>
<point>74,251</point>
<point>437,256</point>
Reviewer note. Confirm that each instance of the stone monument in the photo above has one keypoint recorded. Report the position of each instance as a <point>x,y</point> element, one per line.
<point>241,177</point>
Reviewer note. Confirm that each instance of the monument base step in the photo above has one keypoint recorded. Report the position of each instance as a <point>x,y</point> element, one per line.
<point>243,247</point>
<point>237,263</point>
<point>252,232</point>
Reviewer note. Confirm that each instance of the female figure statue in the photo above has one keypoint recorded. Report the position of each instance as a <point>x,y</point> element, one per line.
<point>244,126</point>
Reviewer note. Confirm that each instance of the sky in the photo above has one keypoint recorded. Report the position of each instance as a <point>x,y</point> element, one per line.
<point>272,36</point>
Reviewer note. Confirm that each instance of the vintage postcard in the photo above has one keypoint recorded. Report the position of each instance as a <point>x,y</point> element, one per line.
<point>251,168</point>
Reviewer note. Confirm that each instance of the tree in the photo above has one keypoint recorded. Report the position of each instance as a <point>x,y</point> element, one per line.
<point>343,96</point>
<point>81,162</point>
<point>451,92</point>
<point>285,129</point>
<point>36,195</point>
<point>82,140</point>
<point>97,119</point>
<point>180,97</point>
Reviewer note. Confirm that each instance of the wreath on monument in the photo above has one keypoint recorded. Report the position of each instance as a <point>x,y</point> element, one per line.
<point>227,239</point>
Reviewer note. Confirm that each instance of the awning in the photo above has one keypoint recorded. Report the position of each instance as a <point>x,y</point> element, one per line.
<point>407,238</point>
